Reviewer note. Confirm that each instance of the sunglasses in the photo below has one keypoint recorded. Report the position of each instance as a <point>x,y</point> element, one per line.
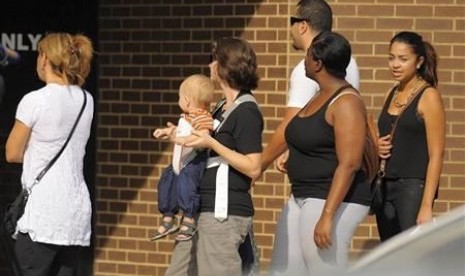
<point>296,19</point>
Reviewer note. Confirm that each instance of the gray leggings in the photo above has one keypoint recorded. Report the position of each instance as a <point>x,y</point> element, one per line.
<point>294,251</point>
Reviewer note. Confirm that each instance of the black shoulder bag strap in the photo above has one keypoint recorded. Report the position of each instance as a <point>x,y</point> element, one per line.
<point>50,164</point>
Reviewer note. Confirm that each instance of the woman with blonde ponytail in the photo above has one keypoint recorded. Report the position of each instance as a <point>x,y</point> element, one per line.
<point>56,222</point>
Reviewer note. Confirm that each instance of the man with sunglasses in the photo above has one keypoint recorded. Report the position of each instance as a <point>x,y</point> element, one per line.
<point>311,17</point>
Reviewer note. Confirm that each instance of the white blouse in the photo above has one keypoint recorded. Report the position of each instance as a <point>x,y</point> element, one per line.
<point>59,209</point>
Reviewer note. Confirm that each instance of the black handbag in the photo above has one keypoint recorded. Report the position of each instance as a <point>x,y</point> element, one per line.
<point>377,194</point>
<point>14,211</point>
<point>377,198</point>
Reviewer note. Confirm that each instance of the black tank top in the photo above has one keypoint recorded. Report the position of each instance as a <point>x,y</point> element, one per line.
<point>409,155</point>
<point>313,161</point>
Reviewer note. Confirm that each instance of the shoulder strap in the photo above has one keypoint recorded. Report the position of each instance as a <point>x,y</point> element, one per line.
<point>338,93</point>
<point>342,94</point>
<point>219,105</point>
<point>342,88</point>
<point>242,99</point>
<point>42,173</point>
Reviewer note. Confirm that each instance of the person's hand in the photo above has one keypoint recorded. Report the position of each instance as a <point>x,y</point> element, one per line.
<point>160,133</point>
<point>425,214</point>
<point>255,179</point>
<point>384,147</point>
<point>13,55</point>
<point>281,162</point>
<point>197,139</point>
<point>8,56</point>
<point>322,233</point>
<point>165,133</point>
<point>202,122</point>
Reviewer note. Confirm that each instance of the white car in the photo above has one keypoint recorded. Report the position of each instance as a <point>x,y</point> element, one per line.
<point>436,248</point>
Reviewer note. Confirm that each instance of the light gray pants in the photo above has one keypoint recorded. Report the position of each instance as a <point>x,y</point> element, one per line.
<point>218,244</point>
<point>183,260</point>
<point>295,252</point>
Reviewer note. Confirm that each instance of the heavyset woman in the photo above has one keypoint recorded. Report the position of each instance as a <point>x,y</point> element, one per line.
<point>330,192</point>
<point>57,218</point>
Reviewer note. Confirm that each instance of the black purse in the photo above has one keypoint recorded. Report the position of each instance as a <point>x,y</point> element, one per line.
<point>15,210</point>
<point>377,193</point>
<point>377,197</point>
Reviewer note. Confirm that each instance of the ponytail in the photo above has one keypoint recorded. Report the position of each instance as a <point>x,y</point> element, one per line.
<point>80,56</point>
<point>428,70</point>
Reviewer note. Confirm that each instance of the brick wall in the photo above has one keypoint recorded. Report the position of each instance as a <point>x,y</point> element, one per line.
<point>148,47</point>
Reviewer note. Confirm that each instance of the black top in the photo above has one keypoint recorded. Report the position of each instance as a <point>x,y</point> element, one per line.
<point>313,160</point>
<point>409,155</point>
<point>241,132</point>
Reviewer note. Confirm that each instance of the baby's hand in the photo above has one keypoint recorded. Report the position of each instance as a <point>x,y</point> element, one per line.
<point>160,133</point>
<point>165,133</point>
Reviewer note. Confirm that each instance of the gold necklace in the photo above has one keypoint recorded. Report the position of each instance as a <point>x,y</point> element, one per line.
<point>400,105</point>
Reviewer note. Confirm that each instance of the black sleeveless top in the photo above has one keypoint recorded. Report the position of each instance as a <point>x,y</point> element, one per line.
<point>313,160</point>
<point>409,155</point>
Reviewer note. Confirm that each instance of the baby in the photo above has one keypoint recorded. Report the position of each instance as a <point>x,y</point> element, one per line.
<point>179,182</point>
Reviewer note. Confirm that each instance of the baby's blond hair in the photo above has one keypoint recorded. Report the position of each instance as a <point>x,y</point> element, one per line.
<point>199,89</point>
